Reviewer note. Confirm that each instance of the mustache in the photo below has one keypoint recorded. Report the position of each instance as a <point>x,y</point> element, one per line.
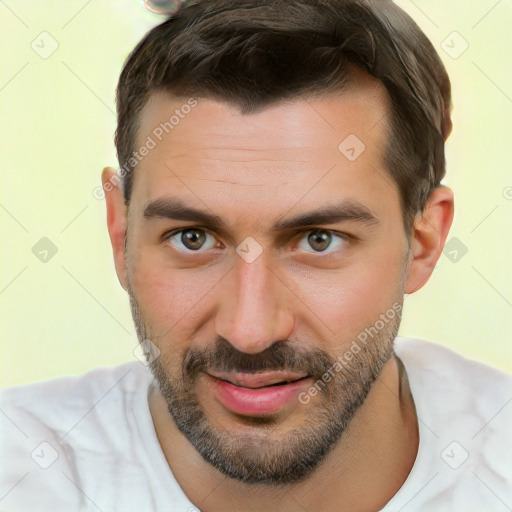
<point>280,356</point>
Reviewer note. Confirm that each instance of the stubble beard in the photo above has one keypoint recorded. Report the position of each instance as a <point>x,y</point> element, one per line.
<point>266,458</point>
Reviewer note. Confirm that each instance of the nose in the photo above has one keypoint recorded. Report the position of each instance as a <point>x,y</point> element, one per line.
<point>254,307</point>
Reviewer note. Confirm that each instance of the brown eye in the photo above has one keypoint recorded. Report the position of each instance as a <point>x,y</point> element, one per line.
<point>319,240</point>
<point>322,239</point>
<point>191,239</point>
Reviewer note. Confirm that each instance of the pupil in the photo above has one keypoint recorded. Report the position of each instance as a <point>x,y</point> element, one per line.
<point>192,239</point>
<point>319,240</point>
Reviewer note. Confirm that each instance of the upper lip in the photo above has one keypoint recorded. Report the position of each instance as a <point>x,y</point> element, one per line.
<point>258,380</point>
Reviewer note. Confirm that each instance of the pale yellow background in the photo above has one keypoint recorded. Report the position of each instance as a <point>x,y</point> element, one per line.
<point>57,122</point>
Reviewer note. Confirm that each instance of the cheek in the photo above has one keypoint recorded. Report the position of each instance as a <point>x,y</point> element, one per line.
<point>170,300</point>
<point>343,302</point>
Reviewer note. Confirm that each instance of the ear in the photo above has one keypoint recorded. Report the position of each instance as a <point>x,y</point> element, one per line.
<point>116,220</point>
<point>428,238</point>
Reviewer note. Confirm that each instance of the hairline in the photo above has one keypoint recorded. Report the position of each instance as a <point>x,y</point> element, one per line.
<point>392,131</point>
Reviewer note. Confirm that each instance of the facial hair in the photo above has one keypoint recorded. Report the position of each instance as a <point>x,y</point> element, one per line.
<point>264,458</point>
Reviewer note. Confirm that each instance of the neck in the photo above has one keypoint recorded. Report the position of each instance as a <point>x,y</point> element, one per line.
<point>363,472</point>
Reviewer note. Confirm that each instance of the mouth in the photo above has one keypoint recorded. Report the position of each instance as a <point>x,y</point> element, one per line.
<point>259,380</point>
<point>257,394</point>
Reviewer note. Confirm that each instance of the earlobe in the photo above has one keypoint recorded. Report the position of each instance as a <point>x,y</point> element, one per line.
<point>428,237</point>
<point>116,220</point>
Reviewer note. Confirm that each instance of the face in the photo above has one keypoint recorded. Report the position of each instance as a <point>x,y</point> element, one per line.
<point>261,260</point>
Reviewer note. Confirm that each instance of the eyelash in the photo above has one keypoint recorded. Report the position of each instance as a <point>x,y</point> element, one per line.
<point>345,237</point>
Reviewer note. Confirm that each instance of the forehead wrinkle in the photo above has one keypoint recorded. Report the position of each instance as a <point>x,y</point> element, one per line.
<point>196,152</point>
<point>253,160</point>
<point>226,181</point>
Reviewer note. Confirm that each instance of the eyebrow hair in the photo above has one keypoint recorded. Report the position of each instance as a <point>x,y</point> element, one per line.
<point>348,210</point>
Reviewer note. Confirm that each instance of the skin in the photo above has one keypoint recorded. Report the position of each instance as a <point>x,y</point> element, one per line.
<point>232,165</point>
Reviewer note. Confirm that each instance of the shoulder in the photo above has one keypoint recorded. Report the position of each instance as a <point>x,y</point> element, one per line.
<point>464,411</point>
<point>428,360</point>
<point>448,387</point>
<point>85,442</point>
<point>54,400</point>
<point>59,435</point>
<point>52,430</point>
<point>96,378</point>
<point>57,404</point>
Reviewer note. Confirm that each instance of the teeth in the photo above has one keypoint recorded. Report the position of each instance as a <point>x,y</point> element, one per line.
<point>251,382</point>
<point>269,385</point>
<point>277,383</point>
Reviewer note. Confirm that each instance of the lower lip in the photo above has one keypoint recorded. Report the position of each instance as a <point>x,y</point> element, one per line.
<point>256,402</point>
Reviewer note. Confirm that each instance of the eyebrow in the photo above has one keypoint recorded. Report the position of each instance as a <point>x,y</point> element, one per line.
<point>348,210</point>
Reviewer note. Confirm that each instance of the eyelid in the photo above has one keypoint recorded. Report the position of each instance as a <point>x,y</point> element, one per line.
<point>199,253</point>
<point>341,234</point>
<point>344,239</point>
<point>173,232</point>
<point>291,236</point>
<point>169,234</point>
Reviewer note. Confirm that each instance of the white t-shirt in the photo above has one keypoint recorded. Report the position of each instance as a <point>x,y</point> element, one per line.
<point>88,442</point>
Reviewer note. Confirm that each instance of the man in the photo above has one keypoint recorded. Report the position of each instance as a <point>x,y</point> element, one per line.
<point>279,191</point>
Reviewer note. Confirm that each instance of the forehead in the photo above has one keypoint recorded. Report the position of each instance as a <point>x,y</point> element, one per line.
<point>324,148</point>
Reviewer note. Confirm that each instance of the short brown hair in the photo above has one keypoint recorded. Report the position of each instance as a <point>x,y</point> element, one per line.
<point>252,53</point>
